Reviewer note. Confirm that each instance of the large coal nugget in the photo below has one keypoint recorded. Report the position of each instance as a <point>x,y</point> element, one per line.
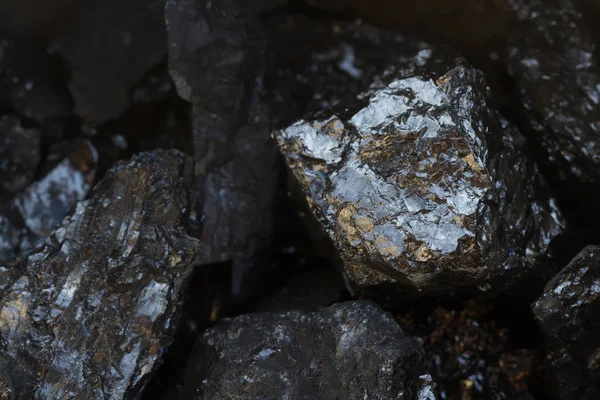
<point>553,59</point>
<point>89,314</point>
<point>423,188</point>
<point>569,315</point>
<point>347,351</point>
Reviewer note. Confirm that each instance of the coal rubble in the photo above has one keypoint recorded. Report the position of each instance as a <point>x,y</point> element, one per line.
<point>568,313</point>
<point>422,188</point>
<point>349,351</point>
<point>299,199</point>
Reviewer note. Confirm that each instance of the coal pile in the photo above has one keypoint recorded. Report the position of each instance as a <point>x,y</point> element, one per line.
<point>298,199</point>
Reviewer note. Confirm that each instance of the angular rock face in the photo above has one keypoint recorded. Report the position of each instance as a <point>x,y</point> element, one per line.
<point>235,162</point>
<point>347,351</point>
<point>89,314</point>
<point>553,59</point>
<point>568,313</point>
<point>423,188</point>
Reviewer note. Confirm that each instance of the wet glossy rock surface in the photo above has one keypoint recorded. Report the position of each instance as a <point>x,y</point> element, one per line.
<point>89,314</point>
<point>350,350</point>
<point>552,57</point>
<point>420,186</point>
<point>568,313</point>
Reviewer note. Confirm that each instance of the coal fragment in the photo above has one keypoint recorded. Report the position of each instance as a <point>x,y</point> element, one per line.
<point>420,186</point>
<point>349,350</point>
<point>92,311</point>
<point>568,313</point>
<point>20,153</point>
<point>109,46</point>
<point>553,59</point>
<point>217,53</point>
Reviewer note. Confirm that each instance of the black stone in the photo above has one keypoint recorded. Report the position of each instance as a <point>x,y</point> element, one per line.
<point>349,350</point>
<point>89,314</point>
<point>568,313</point>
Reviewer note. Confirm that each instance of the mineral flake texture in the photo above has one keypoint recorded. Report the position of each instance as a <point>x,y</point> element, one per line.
<point>568,313</point>
<point>423,187</point>
<point>553,60</point>
<point>347,351</point>
<point>89,314</point>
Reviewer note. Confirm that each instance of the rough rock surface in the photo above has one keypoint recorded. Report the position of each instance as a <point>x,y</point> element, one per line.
<point>109,46</point>
<point>89,314</point>
<point>217,57</point>
<point>568,313</point>
<point>350,350</point>
<point>554,61</point>
<point>420,186</point>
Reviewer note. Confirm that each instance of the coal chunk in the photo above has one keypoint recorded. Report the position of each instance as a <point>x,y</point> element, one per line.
<point>109,46</point>
<point>217,53</point>
<point>568,313</point>
<point>420,186</point>
<point>89,314</point>
<point>553,59</point>
<point>349,350</point>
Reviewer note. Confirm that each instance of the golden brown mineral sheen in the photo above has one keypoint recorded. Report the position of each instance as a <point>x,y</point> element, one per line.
<point>423,188</point>
<point>89,314</point>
